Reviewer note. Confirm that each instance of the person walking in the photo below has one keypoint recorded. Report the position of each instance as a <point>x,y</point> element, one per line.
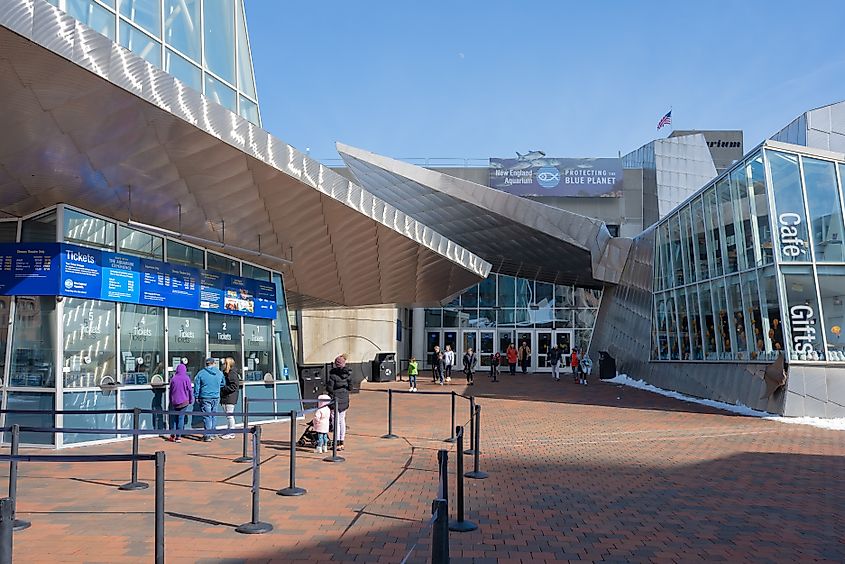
<point>413,370</point>
<point>470,362</point>
<point>495,361</point>
<point>513,356</point>
<point>573,362</point>
<point>181,398</point>
<point>524,356</point>
<point>448,362</point>
<point>555,361</point>
<point>586,368</point>
<point>436,376</point>
<point>229,394</point>
<point>338,386</point>
<point>321,423</point>
<point>207,385</point>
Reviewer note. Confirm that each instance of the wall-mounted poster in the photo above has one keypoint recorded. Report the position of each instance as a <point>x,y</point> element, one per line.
<point>534,174</point>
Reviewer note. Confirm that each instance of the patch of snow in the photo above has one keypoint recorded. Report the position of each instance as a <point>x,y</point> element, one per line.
<point>836,424</point>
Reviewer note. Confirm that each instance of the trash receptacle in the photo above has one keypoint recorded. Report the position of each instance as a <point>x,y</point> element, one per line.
<point>607,366</point>
<point>312,380</point>
<point>384,367</point>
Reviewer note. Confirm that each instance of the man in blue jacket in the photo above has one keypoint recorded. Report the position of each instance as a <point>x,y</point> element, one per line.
<point>207,384</point>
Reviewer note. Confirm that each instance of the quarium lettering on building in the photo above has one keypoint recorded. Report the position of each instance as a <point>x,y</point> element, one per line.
<point>534,174</point>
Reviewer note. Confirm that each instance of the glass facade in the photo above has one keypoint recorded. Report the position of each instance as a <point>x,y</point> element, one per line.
<point>203,43</point>
<point>753,265</point>
<point>503,309</point>
<point>68,348</point>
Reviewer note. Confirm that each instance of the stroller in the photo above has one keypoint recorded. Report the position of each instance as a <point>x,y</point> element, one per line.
<point>309,436</point>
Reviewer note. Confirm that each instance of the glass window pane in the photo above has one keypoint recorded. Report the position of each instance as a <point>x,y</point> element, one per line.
<point>139,243</point>
<point>804,337</point>
<point>587,297</point>
<point>41,229</point>
<point>141,344</point>
<point>545,295</point>
<point>791,219</point>
<point>772,321</point>
<point>487,292</point>
<point>486,318</point>
<point>470,297</point>
<point>564,296</point>
<point>255,272</point>
<point>182,27</point>
<point>757,185</point>
<point>245,81</point>
<point>695,324</point>
<point>507,285</point>
<point>226,265</point>
<point>714,240</point>
<point>687,246</point>
<point>93,15</point>
<point>825,210</point>
<point>433,317</point>
<point>34,342</point>
<point>5,312</point>
<point>145,13</point>
<point>683,323</point>
<point>662,343</point>
<point>564,319</point>
<point>259,350</point>
<point>723,330</point>
<point>742,218</point>
<point>220,39</point>
<point>224,337</point>
<point>34,401</point>
<point>832,293</point>
<point>8,231</point>
<point>185,254</point>
<point>218,92</point>
<point>738,317</point>
<point>708,322</point>
<point>677,273</point>
<point>450,318</point>
<point>754,317</point>
<point>248,110</point>
<point>727,228</point>
<point>89,231</point>
<point>183,69</point>
<point>140,43</point>
<point>89,343</point>
<point>524,292</point>
<point>186,339</point>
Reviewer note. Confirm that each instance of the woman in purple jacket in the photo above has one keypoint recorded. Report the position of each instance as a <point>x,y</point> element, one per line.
<point>181,398</point>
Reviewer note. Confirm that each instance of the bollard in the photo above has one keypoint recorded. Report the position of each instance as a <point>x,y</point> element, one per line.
<point>133,484</point>
<point>476,473</point>
<point>255,525</point>
<point>472,426</point>
<point>334,457</point>
<point>440,532</point>
<point>17,524</point>
<point>7,518</point>
<point>159,508</point>
<point>292,490</point>
<point>451,439</point>
<point>389,434</point>
<point>244,457</point>
<point>443,473</point>
<point>460,525</point>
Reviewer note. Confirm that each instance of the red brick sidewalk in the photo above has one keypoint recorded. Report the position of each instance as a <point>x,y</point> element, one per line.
<point>594,473</point>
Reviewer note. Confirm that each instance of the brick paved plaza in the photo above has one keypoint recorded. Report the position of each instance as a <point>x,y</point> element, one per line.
<point>578,473</point>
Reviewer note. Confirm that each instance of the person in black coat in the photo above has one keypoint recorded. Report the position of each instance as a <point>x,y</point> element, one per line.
<point>338,386</point>
<point>229,393</point>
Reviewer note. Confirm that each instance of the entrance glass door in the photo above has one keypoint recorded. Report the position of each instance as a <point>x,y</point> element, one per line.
<point>486,348</point>
<point>563,340</point>
<point>544,345</point>
<point>526,337</point>
<point>469,340</point>
<point>432,340</point>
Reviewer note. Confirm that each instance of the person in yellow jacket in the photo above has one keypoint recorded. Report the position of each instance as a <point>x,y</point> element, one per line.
<point>413,370</point>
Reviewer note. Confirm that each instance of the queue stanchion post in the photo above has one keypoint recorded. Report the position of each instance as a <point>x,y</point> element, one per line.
<point>440,532</point>
<point>470,451</point>
<point>334,457</point>
<point>443,473</point>
<point>134,484</point>
<point>292,490</point>
<point>476,473</point>
<point>159,508</point>
<point>244,457</point>
<point>7,519</point>
<point>451,438</point>
<point>460,525</point>
<point>255,526</point>
<point>17,524</point>
<point>390,434</point>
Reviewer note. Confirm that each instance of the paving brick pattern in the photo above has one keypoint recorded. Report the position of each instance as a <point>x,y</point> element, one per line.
<point>596,473</point>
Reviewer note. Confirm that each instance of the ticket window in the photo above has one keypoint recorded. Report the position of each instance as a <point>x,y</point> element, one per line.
<point>224,338</point>
<point>186,340</point>
<point>89,343</point>
<point>258,359</point>
<point>141,330</point>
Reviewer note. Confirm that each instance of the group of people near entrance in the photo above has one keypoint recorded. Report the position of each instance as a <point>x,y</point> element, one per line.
<point>212,387</point>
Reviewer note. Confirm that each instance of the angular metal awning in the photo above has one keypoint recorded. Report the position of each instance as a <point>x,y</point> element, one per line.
<point>84,120</point>
<point>520,237</point>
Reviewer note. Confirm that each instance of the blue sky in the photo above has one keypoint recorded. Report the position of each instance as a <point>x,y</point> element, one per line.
<point>577,79</point>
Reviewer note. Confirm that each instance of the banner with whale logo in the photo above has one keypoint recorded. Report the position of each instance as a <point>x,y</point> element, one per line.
<point>534,174</point>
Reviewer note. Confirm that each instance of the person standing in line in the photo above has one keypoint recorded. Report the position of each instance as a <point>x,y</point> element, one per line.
<point>338,386</point>
<point>413,369</point>
<point>555,361</point>
<point>513,356</point>
<point>524,356</point>
<point>435,364</point>
<point>321,423</point>
<point>229,394</point>
<point>470,362</point>
<point>495,360</point>
<point>207,385</point>
<point>181,398</point>
<point>448,362</point>
<point>574,363</point>
<point>586,368</point>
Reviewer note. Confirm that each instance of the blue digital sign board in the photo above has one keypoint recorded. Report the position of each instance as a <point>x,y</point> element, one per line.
<point>44,269</point>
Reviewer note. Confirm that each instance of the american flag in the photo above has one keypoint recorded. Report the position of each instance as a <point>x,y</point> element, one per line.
<point>665,120</point>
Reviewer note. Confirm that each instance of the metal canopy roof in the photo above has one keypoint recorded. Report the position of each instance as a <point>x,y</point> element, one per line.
<point>85,119</point>
<point>520,237</point>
